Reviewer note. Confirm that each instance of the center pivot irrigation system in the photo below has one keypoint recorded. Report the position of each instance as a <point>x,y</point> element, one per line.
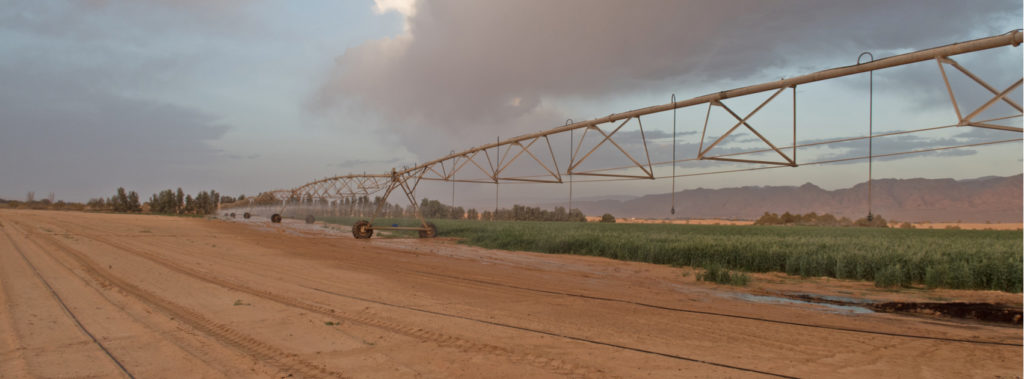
<point>493,160</point>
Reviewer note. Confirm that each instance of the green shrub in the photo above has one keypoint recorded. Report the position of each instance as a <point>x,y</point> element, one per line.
<point>716,273</point>
<point>889,276</point>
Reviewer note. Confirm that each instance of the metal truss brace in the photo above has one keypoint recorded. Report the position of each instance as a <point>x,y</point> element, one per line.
<point>557,178</point>
<point>648,170</point>
<point>743,121</point>
<point>968,120</point>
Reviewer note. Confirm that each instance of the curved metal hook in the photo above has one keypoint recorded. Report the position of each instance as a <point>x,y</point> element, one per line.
<point>868,53</point>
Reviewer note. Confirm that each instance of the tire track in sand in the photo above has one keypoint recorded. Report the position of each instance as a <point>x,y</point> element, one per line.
<point>555,365</point>
<point>67,311</point>
<point>287,362</point>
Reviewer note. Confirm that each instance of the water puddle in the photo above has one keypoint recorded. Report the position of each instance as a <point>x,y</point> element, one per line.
<point>839,300</point>
<point>996,313</point>
<point>833,308</point>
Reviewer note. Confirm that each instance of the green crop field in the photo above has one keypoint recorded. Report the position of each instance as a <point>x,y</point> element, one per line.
<point>966,259</point>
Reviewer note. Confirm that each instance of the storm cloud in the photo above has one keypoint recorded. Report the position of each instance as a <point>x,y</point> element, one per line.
<point>243,95</point>
<point>60,130</point>
<point>471,69</point>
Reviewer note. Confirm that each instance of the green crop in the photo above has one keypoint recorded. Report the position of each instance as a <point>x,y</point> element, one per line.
<point>963,259</point>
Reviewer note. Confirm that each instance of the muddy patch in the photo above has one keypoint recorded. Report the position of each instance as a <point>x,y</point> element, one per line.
<point>972,311</point>
<point>987,312</point>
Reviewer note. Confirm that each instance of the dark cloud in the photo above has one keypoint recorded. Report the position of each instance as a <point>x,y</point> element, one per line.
<point>955,153</point>
<point>361,163</point>
<point>654,134</point>
<point>100,21</point>
<point>912,142</point>
<point>59,129</point>
<point>982,134</point>
<point>249,157</point>
<point>468,69</point>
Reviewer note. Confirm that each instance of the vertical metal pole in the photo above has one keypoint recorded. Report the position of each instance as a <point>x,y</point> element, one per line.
<point>569,169</point>
<point>673,210</point>
<point>453,183</point>
<point>871,104</point>
<point>794,125</point>
<point>496,183</point>
<point>871,137</point>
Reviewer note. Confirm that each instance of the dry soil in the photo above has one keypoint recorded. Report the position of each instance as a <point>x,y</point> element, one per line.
<point>99,295</point>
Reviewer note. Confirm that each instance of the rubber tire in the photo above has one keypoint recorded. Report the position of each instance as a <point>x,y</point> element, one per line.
<point>275,218</point>
<point>361,230</point>
<point>431,233</point>
<point>310,219</point>
<point>232,214</point>
<point>246,215</point>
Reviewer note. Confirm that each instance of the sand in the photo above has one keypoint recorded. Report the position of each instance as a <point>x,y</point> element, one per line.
<point>99,295</point>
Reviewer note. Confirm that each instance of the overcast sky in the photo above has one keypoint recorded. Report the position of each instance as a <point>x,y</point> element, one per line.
<point>246,96</point>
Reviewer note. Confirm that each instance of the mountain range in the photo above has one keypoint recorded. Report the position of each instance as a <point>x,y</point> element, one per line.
<point>987,199</point>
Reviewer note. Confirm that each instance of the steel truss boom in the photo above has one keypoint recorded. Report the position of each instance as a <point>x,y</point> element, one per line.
<point>1013,38</point>
<point>341,187</point>
<point>493,160</point>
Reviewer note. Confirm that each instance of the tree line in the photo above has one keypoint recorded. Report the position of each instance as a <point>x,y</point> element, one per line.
<point>49,203</point>
<point>433,209</point>
<point>122,202</point>
<point>164,202</point>
<point>814,219</point>
<point>363,207</point>
<point>177,202</point>
<point>524,213</point>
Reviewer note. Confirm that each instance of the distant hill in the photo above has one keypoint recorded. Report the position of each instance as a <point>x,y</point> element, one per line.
<point>995,199</point>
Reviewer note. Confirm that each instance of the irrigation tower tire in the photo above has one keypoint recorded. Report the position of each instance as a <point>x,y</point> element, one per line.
<point>362,230</point>
<point>246,215</point>
<point>310,219</point>
<point>275,218</point>
<point>431,231</point>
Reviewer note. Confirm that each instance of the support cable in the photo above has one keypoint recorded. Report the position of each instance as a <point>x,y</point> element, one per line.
<point>810,144</point>
<point>815,162</point>
<point>838,160</point>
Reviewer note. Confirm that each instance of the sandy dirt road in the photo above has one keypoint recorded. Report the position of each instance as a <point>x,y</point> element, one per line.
<point>96,295</point>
